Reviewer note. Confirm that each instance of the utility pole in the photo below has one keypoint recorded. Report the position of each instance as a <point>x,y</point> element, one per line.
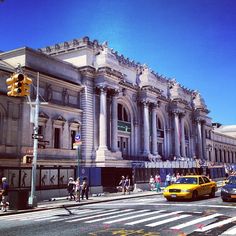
<point>33,199</point>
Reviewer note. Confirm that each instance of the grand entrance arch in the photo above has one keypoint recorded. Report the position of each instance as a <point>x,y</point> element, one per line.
<point>124,130</point>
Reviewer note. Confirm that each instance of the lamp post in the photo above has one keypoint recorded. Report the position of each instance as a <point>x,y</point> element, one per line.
<point>33,199</point>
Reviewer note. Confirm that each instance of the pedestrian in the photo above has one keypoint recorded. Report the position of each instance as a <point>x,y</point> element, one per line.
<point>158,182</point>
<point>127,184</point>
<point>173,178</point>
<point>122,184</point>
<point>4,193</point>
<point>152,183</point>
<point>85,188</point>
<point>168,179</point>
<point>177,175</point>
<point>77,189</point>
<point>71,188</point>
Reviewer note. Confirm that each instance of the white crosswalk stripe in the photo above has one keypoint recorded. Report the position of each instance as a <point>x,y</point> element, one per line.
<point>110,212</point>
<point>196,221</point>
<point>230,232</point>
<point>167,220</point>
<point>153,218</point>
<point>130,217</point>
<point>218,224</point>
<point>85,212</point>
<point>116,216</point>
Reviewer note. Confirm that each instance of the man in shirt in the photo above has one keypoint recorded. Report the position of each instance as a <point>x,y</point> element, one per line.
<point>4,192</point>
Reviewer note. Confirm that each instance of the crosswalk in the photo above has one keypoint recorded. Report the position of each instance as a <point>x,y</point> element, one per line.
<point>175,220</point>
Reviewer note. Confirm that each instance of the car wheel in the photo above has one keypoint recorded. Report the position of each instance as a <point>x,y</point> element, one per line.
<point>194,195</point>
<point>224,199</point>
<point>168,199</point>
<point>213,193</point>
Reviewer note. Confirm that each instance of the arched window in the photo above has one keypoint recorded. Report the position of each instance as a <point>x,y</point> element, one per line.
<point>216,155</point>
<point>122,113</point>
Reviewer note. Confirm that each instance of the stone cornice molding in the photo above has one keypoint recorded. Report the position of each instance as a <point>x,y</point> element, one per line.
<point>74,123</point>
<point>128,84</point>
<point>87,71</point>
<point>107,71</point>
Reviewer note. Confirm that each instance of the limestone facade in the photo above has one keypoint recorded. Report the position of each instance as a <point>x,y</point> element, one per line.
<point>125,112</point>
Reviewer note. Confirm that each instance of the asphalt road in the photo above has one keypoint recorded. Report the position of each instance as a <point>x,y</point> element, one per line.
<point>148,216</point>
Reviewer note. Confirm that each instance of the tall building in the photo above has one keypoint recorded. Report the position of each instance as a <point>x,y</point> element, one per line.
<point>131,120</point>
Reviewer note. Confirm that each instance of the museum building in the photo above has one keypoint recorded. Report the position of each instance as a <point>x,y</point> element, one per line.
<point>129,119</point>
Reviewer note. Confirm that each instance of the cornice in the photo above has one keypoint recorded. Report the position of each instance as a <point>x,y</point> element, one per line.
<point>107,71</point>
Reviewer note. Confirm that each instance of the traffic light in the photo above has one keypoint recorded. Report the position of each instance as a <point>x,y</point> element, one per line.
<point>26,86</point>
<point>10,82</point>
<point>18,85</point>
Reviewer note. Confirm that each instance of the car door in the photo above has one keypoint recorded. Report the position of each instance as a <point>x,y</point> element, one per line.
<point>202,188</point>
<point>208,185</point>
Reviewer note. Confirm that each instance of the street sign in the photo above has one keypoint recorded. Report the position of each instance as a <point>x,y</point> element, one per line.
<point>78,138</point>
<point>37,136</point>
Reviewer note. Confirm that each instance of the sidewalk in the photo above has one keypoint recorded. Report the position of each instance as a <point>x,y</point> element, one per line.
<point>64,202</point>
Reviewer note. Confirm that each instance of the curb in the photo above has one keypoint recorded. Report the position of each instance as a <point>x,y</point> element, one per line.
<point>66,205</point>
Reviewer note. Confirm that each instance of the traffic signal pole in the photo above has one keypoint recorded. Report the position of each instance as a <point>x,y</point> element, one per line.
<point>32,198</point>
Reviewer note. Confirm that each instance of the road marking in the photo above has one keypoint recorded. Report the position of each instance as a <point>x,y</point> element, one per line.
<point>116,216</point>
<point>111,212</point>
<point>153,218</point>
<point>164,204</point>
<point>167,220</point>
<point>231,231</point>
<point>85,212</point>
<point>47,218</point>
<point>218,224</point>
<point>192,222</point>
<point>132,217</point>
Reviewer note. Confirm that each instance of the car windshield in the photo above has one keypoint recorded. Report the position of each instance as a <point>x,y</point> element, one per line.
<point>186,180</point>
<point>232,180</point>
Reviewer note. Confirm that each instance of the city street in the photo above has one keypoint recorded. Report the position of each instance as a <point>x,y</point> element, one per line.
<point>151,215</point>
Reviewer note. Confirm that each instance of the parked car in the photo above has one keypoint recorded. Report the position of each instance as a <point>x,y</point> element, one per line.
<point>190,187</point>
<point>228,191</point>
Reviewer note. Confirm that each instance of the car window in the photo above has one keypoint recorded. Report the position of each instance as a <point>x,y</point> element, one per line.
<point>232,180</point>
<point>186,180</point>
<point>201,180</point>
<point>206,180</point>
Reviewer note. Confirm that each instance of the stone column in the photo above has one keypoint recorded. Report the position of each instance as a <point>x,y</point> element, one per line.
<point>177,139</point>
<point>114,121</point>
<point>199,135</point>
<point>154,130</point>
<point>146,131</point>
<point>183,153</point>
<point>103,119</point>
<point>204,155</point>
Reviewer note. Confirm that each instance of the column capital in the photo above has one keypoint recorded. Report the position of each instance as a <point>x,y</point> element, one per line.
<point>102,88</point>
<point>154,106</point>
<point>145,102</point>
<point>116,92</point>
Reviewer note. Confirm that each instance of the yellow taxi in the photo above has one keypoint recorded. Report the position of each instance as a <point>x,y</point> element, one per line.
<point>190,187</point>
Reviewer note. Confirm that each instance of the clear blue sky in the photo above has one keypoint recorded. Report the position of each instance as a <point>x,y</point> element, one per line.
<point>193,41</point>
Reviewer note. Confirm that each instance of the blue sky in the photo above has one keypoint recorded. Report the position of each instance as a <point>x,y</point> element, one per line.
<point>193,41</point>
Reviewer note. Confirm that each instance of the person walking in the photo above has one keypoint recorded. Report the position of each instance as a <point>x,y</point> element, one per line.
<point>158,182</point>
<point>127,184</point>
<point>122,184</point>
<point>4,193</point>
<point>71,188</point>
<point>168,179</point>
<point>152,183</point>
<point>77,189</point>
<point>85,188</point>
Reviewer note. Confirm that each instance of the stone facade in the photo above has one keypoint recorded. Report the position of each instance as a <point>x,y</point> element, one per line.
<point>127,114</point>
